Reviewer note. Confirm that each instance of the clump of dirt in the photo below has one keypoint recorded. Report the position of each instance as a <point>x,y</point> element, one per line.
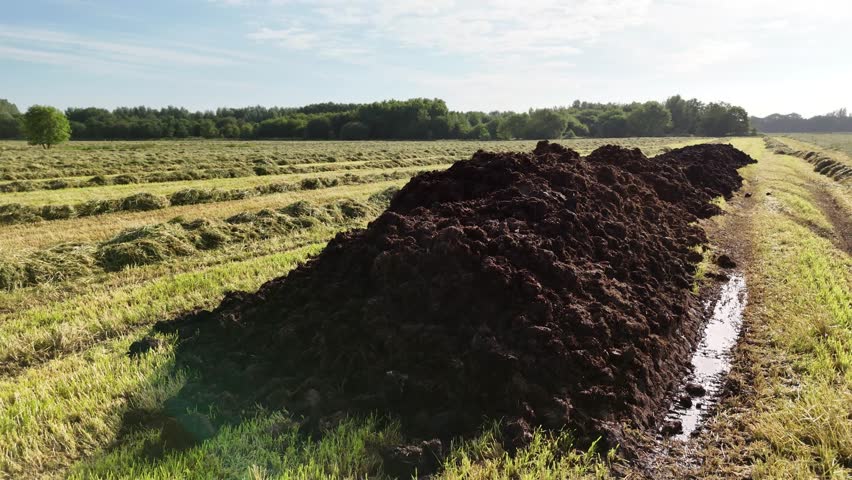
<point>542,288</point>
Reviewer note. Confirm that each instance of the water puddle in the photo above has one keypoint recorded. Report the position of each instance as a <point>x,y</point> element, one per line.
<point>711,361</point>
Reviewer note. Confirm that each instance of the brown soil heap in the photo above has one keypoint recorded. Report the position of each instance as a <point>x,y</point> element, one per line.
<point>544,288</point>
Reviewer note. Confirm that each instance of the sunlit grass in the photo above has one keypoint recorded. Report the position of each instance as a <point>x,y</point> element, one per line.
<point>42,333</point>
<point>801,423</point>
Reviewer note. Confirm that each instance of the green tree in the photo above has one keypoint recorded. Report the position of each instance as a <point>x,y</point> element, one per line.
<point>738,123</point>
<point>612,123</point>
<point>45,126</point>
<point>207,129</point>
<point>575,127</point>
<point>8,107</point>
<point>686,114</point>
<point>9,127</point>
<point>246,131</point>
<point>479,132</point>
<point>318,128</point>
<point>229,127</point>
<point>545,123</point>
<point>720,119</point>
<point>354,131</point>
<point>651,119</point>
<point>514,126</point>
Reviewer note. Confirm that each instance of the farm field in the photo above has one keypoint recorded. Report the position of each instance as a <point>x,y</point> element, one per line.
<point>66,317</point>
<point>838,142</point>
<point>78,290</point>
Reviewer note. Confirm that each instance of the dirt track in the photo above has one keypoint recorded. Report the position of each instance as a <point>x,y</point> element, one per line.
<point>723,448</point>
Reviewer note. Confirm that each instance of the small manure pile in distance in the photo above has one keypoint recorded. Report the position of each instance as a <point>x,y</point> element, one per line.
<point>541,288</point>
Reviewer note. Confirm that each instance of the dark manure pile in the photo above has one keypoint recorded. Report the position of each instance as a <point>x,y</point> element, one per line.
<point>542,288</point>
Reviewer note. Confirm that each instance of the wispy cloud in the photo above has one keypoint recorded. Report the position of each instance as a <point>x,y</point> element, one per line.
<point>540,29</point>
<point>709,53</point>
<point>60,48</point>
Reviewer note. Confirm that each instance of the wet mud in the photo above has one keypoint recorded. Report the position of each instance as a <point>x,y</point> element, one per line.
<point>711,362</point>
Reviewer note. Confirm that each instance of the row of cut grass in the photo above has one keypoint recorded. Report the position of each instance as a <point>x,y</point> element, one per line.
<point>179,238</point>
<point>18,239</point>
<point>81,195</point>
<point>87,159</point>
<point>15,303</point>
<point>52,331</point>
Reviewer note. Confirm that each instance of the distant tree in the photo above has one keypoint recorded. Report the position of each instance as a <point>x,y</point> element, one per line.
<point>493,126</point>
<point>588,117</point>
<point>182,128</point>
<point>513,126</point>
<point>612,124</point>
<point>9,126</point>
<point>228,127</point>
<point>458,124</point>
<point>575,127</point>
<point>686,114</point>
<point>355,131</point>
<point>417,118</point>
<point>45,126</point>
<point>246,131</point>
<point>651,119</point>
<point>545,123</point>
<point>720,119</point>
<point>439,127</point>
<point>475,118</point>
<point>9,107</point>
<point>738,123</point>
<point>207,129</point>
<point>318,128</point>
<point>479,132</point>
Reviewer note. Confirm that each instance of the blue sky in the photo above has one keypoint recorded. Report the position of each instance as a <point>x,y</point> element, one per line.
<point>768,56</point>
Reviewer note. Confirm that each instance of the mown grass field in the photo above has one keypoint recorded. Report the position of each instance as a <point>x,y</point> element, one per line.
<point>79,291</point>
<point>839,142</point>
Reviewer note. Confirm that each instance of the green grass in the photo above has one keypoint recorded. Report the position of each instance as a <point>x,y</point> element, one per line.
<point>269,447</point>
<point>86,337</point>
<point>799,353</point>
<point>54,414</point>
<point>42,333</point>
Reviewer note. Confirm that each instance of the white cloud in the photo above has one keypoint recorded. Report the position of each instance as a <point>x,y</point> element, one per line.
<point>536,28</point>
<point>47,45</point>
<point>708,53</point>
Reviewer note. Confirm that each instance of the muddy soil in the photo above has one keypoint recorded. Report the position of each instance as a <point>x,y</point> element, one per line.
<point>542,288</point>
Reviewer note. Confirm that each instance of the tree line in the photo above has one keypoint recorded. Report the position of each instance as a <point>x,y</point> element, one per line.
<point>836,121</point>
<point>414,119</point>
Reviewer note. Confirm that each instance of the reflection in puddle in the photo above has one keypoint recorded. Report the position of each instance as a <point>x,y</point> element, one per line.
<point>712,360</point>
